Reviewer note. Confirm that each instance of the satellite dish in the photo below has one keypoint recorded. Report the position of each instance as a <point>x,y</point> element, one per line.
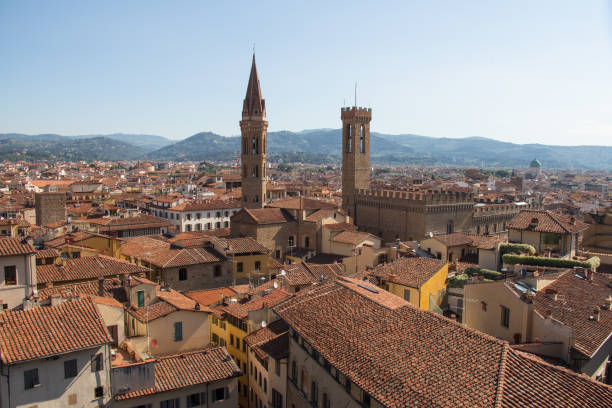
<point>283,272</point>
<point>263,323</point>
<point>275,285</point>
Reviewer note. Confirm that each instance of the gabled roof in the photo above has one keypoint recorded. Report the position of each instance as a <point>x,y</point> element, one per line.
<point>241,310</point>
<point>12,247</point>
<point>177,371</point>
<point>576,302</point>
<point>111,288</point>
<point>262,216</point>
<point>271,340</point>
<point>300,274</point>
<point>244,245</point>
<point>92,267</point>
<point>163,255</point>
<point>462,238</point>
<point>353,237</point>
<point>546,222</point>
<point>409,271</point>
<point>403,356</point>
<point>48,331</point>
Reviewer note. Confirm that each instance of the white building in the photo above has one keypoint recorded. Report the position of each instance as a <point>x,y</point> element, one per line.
<point>17,272</point>
<point>201,215</point>
<point>55,356</point>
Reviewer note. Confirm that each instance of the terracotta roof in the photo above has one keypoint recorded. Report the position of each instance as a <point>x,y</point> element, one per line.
<point>301,274</point>
<point>404,356</point>
<point>546,222</point>
<point>184,370</point>
<point>269,215</point>
<point>13,246</point>
<point>241,310</point>
<point>352,237</point>
<point>576,302</point>
<point>92,267</point>
<point>204,205</point>
<point>301,203</point>
<point>340,226</point>
<point>461,238</point>
<point>319,215</point>
<point>47,253</point>
<point>110,288</point>
<point>140,221</point>
<point>242,245</point>
<point>210,296</point>
<point>272,340</point>
<point>409,271</point>
<point>47,331</point>
<point>163,255</point>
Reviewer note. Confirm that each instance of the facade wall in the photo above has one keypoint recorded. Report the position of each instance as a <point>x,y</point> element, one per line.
<point>182,394</point>
<point>196,332</point>
<point>486,316</point>
<point>50,207</point>
<point>199,276</point>
<point>249,272</point>
<point>55,390</point>
<point>13,295</point>
<point>488,259</point>
<point>113,316</point>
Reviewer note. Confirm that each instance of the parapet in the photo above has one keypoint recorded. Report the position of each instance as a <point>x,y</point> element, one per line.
<point>428,197</point>
<point>356,112</point>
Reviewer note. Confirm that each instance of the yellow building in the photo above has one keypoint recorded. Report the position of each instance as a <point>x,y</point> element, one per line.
<point>236,318</point>
<point>250,259</point>
<point>13,227</point>
<point>420,281</point>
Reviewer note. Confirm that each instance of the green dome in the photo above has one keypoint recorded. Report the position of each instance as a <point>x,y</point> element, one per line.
<point>536,163</point>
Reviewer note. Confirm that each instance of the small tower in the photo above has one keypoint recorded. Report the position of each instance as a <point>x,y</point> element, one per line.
<point>355,154</point>
<point>253,127</point>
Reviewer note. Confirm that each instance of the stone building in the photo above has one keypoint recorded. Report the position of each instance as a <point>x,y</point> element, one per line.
<point>253,127</point>
<point>50,207</point>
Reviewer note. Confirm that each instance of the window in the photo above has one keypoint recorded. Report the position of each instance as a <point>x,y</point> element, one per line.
<point>226,224</point>
<point>217,271</point>
<point>294,371</point>
<point>251,367</point>
<point>10,275</point>
<point>198,216</point>
<point>314,393</point>
<point>238,342</point>
<point>218,214</point>
<point>362,140</point>
<point>265,385</point>
<point>171,403</point>
<point>30,378</point>
<point>307,242</point>
<point>277,254</point>
<point>140,296</point>
<point>239,267</point>
<point>277,399</point>
<point>257,266</point>
<point>349,139</point>
<point>365,398</point>
<point>291,241</point>
<point>98,392</point>
<point>97,362</point>
<point>505,316</point>
<point>218,395</point>
<point>407,295</point>
<point>227,213</point>
<point>277,367</point>
<point>70,368</point>
<point>178,331</point>
<point>231,339</point>
<point>182,274</point>
<point>217,225</point>
<point>188,217</point>
<point>196,400</point>
<point>326,403</point>
<point>484,306</point>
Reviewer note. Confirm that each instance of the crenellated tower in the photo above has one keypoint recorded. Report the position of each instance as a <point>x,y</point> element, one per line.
<point>253,127</point>
<point>355,154</point>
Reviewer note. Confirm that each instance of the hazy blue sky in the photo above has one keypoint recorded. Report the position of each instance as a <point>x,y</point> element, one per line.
<point>521,71</point>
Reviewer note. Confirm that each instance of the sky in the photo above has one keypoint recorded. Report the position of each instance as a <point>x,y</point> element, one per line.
<point>518,71</point>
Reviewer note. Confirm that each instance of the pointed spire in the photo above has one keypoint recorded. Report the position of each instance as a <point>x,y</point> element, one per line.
<point>254,104</point>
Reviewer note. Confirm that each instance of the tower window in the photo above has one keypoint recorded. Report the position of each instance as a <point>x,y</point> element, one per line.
<point>362,140</point>
<point>349,139</point>
<point>255,171</point>
<point>255,146</point>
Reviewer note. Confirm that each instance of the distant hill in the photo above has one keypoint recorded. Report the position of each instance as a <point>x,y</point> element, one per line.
<point>207,145</point>
<point>311,146</point>
<point>55,147</point>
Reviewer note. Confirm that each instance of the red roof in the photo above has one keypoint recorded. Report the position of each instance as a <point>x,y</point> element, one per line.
<point>12,246</point>
<point>47,331</point>
<point>184,370</point>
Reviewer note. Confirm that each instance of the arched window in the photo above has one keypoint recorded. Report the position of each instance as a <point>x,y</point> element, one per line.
<point>362,140</point>
<point>449,227</point>
<point>226,224</point>
<point>349,139</point>
<point>307,242</point>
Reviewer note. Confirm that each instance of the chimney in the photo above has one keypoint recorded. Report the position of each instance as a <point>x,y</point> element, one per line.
<point>534,222</point>
<point>596,315</point>
<point>573,221</point>
<point>100,286</point>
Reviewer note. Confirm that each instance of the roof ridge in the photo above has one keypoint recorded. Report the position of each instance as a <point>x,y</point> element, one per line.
<point>501,375</point>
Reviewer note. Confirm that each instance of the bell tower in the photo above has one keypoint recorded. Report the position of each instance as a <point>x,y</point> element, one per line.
<point>253,127</point>
<point>355,154</point>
